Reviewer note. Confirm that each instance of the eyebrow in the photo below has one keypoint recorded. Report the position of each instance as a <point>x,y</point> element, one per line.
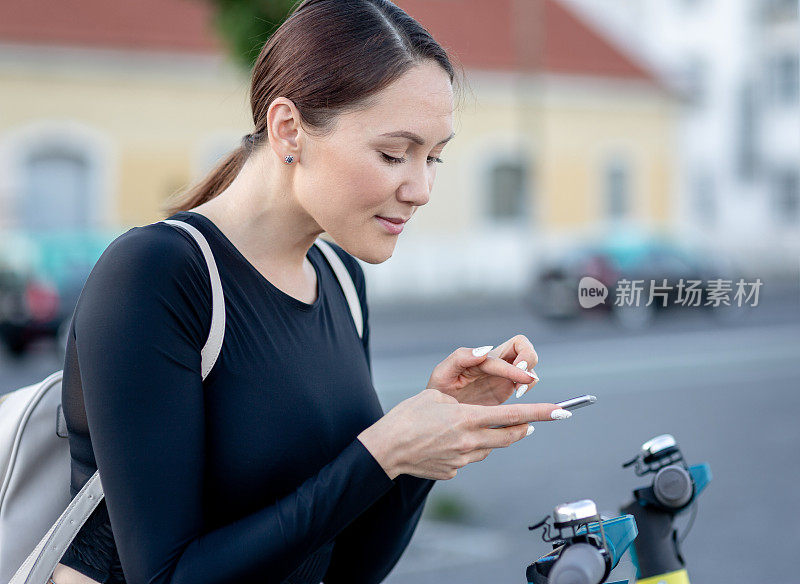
<point>414,137</point>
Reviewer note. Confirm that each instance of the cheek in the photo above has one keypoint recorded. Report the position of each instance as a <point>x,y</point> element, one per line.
<point>358,183</point>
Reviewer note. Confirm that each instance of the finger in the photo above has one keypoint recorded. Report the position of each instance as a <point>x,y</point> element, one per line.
<point>478,455</point>
<point>526,359</point>
<point>516,349</point>
<point>511,414</point>
<point>501,368</point>
<point>480,352</point>
<point>522,388</point>
<point>519,350</point>
<point>465,357</point>
<point>503,437</point>
<point>458,363</point>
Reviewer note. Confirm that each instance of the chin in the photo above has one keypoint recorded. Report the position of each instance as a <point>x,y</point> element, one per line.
<point>370,245</point>
<point>373,260</point>
<point>373,255</point>
<point>377,253</point>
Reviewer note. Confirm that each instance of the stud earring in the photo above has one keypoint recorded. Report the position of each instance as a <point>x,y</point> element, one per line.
<point>289,159</point>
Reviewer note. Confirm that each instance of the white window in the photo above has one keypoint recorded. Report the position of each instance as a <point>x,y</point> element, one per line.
<point>786,196</point>
<point>57,175</point>
<point>694,79</point>
<point>746,153</point>
<point>704,196</point>
<point>779,10</point>
<point>507,197</point>
<point>785,79</point>
<point>55,190</point>
<point>616,187</point>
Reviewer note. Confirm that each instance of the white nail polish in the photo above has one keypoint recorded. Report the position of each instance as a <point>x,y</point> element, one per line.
<point>523,365</point>
<point>532,373</point>
<point>521,390</point>
<point>481,351</point>
<point>560,414</point>
<point>529,431</point>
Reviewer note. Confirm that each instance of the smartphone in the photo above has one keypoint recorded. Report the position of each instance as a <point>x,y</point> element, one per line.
<point>577,402</point>
<point>571,404</point>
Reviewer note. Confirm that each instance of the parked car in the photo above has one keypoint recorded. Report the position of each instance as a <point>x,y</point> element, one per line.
<point>41,278</point>
<point>554,290</point>
<point>30,308</point>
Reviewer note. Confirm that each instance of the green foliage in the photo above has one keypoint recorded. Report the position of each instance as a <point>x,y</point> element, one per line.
<point>447,507</point>
<point>245,25</point>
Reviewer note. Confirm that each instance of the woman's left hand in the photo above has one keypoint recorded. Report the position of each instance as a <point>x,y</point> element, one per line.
<point>487,376</point>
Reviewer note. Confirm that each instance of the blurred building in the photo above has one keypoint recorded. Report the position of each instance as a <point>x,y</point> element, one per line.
<point>107,108</point>
<point>738,65</point>
<point>110,106</point>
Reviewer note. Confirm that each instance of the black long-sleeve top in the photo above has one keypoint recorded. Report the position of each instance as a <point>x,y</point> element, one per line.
<point>256,474</point>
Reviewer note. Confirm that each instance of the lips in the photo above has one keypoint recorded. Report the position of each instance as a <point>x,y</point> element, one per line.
<point>395,220</point>
<point>393,226</point>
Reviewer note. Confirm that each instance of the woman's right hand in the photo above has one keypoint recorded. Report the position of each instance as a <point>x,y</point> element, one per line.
<point>431,435</point>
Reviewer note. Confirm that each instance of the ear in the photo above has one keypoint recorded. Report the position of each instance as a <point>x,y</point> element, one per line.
<point>283,128</point>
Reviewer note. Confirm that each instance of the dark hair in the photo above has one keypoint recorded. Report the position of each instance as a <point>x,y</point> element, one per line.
<point>328,57</point>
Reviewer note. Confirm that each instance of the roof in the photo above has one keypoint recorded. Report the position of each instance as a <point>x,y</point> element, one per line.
<point>152,25</point>
<point>535,35</point>
<point>532,35</point>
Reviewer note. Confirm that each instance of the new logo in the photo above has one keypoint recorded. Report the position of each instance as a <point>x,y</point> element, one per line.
<point>591,292</point>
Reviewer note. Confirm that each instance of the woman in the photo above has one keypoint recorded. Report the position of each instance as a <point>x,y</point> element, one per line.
<point>281,466</point>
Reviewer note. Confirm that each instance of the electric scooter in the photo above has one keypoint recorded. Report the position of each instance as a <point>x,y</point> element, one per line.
<point>674,489</point>
<point>587,547</point>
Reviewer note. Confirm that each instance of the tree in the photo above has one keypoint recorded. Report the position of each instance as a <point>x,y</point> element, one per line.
<point>245,25</point>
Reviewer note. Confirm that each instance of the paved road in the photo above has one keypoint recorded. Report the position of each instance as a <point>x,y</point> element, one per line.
<point>727,391</point>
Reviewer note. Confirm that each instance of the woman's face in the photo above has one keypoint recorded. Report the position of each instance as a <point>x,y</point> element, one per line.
<point>378,162</point>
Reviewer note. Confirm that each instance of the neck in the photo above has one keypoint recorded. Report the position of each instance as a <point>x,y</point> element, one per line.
<point>262,219</point>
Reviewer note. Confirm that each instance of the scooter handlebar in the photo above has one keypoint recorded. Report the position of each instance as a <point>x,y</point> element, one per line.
<point>579,564</point>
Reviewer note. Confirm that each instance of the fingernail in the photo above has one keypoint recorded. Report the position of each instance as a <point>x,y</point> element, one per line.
<point>532,373</point>
<point>529,431</point>
<point>481,351</point>
<point>523,365</point>
<point>560,414</point>
<point>521,390</point>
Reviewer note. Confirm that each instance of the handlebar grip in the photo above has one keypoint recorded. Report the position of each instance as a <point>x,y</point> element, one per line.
<point>579,564</point>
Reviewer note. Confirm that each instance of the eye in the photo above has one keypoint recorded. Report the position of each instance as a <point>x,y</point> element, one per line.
<point>392,159</point>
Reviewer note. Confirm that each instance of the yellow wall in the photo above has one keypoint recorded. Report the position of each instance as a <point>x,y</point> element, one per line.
<point>156,115</point>
<point>565,132</point>
<point>579,138</point>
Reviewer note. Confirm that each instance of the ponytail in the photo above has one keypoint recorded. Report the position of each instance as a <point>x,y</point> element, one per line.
<point>217,180</point>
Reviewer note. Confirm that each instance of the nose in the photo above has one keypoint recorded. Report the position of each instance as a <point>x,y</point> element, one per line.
<point>416,189</point>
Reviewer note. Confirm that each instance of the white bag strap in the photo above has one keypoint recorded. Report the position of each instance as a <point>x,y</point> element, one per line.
<point>345,281</point>
<point>213,346</point>
<point>40,563</point>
